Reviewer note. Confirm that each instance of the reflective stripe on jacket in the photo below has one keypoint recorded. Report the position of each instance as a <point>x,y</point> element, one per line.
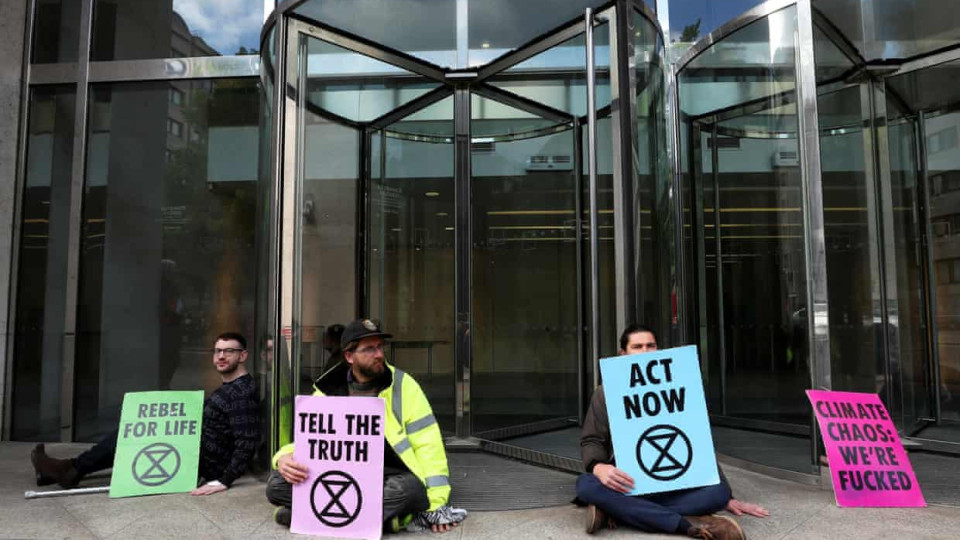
<point>413,433</point>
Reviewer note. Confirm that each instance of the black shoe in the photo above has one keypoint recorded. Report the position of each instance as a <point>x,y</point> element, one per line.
<point>282,516</point>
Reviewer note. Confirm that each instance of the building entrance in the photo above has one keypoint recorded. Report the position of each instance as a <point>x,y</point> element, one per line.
<point>487,208</point>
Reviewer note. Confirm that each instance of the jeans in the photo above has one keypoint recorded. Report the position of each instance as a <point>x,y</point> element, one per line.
<point>656,512</point>
<point>403,494</point>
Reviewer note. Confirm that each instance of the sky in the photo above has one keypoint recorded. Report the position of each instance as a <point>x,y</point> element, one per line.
<point>225,25</point>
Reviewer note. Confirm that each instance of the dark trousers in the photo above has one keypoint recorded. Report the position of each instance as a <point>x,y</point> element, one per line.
<point>100,457</point>
<point>403,494</point>
<point>657,512</point>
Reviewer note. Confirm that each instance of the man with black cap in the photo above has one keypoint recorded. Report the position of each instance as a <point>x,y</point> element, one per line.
<point>416,484</point>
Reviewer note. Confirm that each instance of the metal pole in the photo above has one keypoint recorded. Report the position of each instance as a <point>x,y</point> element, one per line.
<point>592,173</point>
<point>818,315</point>
<point>75,227</point>
<point>463,254</point>
<point>718,263</point>
<point>65,492</point>
<point>923,194</point>
<point>578,223</point>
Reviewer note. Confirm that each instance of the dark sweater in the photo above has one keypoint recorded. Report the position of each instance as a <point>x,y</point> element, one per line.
<point>231,430</point>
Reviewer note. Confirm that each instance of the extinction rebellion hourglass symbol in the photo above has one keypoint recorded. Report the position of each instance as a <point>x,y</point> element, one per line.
<point>664,452</point>
<point>336,499</point>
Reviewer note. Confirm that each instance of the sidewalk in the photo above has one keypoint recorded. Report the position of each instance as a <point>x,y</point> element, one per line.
<point>797,511</point>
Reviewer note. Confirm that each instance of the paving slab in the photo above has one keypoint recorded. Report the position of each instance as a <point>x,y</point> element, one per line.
<point>797,512</point>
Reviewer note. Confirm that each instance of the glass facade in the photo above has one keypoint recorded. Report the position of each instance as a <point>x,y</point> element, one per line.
<point>44,228</point>
<point>139,29</point>
<point>763,190</point>
<point>168,219</point>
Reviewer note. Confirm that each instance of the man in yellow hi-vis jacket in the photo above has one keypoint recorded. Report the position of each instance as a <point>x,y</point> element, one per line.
<point>416,484</point>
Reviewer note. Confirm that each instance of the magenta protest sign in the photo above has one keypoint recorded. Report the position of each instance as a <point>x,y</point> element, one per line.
<point>867,461</point>
<point>340,440</point>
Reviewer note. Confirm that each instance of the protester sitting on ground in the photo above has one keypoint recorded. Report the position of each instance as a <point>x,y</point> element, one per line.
<point>416,485</point>
<point>604,486</point>
<point>230,431</point>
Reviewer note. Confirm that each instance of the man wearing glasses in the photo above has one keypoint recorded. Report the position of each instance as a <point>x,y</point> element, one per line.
<point>230,432</point>
<point>416,485</point>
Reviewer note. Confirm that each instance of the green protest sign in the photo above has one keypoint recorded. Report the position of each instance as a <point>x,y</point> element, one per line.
<point>158,444</point>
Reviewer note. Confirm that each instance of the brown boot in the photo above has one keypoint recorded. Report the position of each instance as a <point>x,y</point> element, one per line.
<point>50,470</point>
<point>596,519</point>
<point>714,527</point>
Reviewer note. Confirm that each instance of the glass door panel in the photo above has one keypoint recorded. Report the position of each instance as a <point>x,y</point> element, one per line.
<point>411,280</point>
<point>747,223</point>
<point>943,211</point>
<point>525,291</point>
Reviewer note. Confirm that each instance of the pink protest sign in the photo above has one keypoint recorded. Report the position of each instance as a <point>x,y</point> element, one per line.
<point>340,440</point>
<point>867,461</point>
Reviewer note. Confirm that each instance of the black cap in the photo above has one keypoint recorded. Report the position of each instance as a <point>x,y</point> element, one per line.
<point>360,329</point>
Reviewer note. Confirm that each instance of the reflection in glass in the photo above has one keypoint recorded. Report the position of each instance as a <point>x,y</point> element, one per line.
<point>747,220</point>
<point>42,272</point>
<point>328,233</point>
<point>500,26</point>
<point>357,87</point>
<point>524,274</point>
<point>411,250</point>
<point>850,228</point>
<point>556,77</point>
<point>653,215</point>
<point>56,31</point>
<point>168,220</point>
<point>426,29</point>
<point>941,134</point>
<point>691,20</point>
<point>266,246</point>
<point>140,29</point>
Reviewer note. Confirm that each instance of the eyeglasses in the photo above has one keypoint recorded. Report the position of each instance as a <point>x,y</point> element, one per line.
<point>369,350</point>
<point>228,352</point>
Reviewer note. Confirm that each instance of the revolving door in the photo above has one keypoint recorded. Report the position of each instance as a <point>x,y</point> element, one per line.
<point>490,201</point>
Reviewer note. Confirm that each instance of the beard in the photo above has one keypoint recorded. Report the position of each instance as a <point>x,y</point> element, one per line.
<point>372,372</point>
<point>229,369</point>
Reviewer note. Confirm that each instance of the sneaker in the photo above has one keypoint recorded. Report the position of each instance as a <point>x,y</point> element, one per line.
<point>282,516</point>
<point>50,470</point>
<point>596,519</point>
<point>714,527</point>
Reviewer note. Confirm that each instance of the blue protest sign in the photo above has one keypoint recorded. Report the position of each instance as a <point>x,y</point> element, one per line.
<point>658,420</point>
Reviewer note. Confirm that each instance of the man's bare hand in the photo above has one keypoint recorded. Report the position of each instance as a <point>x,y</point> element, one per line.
<point>290,470</point>
<point>209,489</point>
<point>739,508</point>
<point>613,478</point>
<point>443,527</point>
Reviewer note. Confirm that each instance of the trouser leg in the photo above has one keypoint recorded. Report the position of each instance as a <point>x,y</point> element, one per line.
<point>99,457</point>
<point>695,501</point>
<point>638,512</point>
<point>403,494</point>
<point>279,491</point>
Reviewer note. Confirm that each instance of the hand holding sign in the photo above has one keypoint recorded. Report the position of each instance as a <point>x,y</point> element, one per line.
<point>158,443</point>
<point>337,466</point>
<point>613,478</point>
<point>658,422</point>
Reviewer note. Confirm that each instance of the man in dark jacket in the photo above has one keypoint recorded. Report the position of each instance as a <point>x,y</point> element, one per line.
<point>229,436</point>
<point>603,487</point>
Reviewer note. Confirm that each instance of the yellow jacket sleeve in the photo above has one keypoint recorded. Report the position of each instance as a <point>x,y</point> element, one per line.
<point>427,443</point>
